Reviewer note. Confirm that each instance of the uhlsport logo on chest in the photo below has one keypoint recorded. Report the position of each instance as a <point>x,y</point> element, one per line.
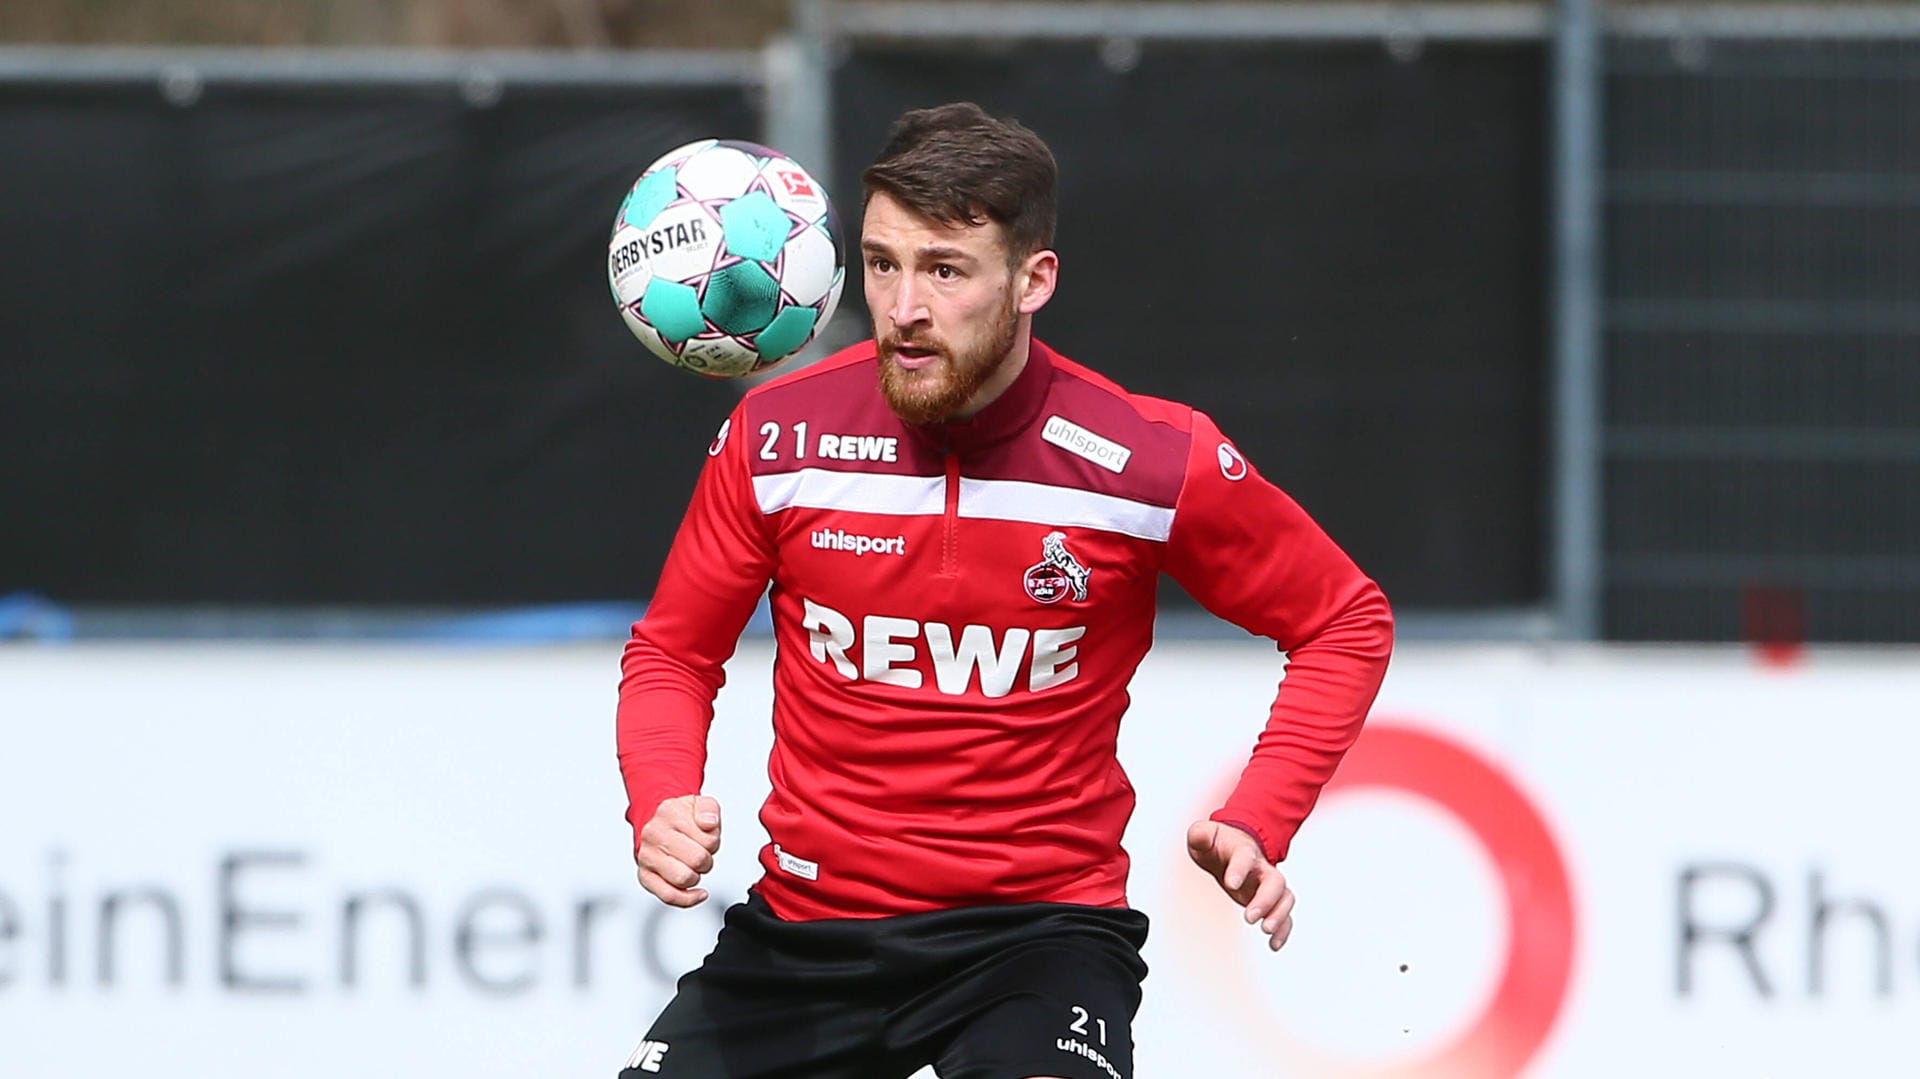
<point>835,539</point>
<point>1058,573</point>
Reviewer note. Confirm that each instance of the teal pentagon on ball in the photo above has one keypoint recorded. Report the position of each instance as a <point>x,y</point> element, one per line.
<point>673,309</point>
<point>755,226</point>
<point>650,196</point>
<point>740,298</point>
<point>789,329</point>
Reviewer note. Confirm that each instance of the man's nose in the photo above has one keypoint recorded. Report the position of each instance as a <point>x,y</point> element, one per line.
<point>908,306</point>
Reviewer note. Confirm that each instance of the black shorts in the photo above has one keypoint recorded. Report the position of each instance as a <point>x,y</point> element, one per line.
<point>1006,992</point>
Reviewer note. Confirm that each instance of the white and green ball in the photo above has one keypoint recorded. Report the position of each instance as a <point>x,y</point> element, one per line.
<point>725,258</point>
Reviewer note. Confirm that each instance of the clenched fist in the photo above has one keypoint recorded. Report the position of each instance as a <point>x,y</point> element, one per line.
<point>677,848</point>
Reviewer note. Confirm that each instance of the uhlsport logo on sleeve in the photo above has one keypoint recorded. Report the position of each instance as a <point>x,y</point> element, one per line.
<point>1077,440</point>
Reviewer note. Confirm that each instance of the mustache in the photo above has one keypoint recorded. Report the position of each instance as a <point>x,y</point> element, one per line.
<point>894,342</point>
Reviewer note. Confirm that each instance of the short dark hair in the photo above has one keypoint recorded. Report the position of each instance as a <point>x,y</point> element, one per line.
<point>960,166</point>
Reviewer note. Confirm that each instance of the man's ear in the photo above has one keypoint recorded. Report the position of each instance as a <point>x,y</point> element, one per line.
<point>1035,280</point>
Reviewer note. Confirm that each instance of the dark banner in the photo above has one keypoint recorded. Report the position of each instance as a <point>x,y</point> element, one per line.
<point>354,345</point>
<point>1336,253</point>
<point>334,344</point>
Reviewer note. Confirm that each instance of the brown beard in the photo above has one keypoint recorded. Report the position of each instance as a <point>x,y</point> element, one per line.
<point>934,393</point>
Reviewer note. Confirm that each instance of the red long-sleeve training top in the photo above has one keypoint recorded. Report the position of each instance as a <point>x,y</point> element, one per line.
<point>957,611</point>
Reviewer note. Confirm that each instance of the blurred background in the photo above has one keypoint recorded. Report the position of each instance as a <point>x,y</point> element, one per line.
<point>332,482</point>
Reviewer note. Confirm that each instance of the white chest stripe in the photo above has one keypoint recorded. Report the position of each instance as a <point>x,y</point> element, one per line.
<point>853,492</point>
<point>996,500</point>
<point>1045,504</point>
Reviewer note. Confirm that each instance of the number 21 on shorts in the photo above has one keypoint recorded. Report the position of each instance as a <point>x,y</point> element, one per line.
<point>1080,1020</point>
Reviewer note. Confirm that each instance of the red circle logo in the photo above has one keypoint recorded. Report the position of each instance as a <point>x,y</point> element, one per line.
<point>1538,967</point>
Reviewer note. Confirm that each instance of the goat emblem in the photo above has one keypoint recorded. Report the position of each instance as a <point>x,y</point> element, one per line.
<point>1057,572</point>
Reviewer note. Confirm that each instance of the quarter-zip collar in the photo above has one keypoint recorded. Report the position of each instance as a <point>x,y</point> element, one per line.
<point>1006,415</point>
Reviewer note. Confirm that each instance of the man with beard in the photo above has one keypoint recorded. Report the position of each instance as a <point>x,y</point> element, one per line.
<point>963,531</point>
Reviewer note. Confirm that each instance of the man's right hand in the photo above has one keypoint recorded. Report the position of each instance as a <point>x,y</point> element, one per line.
<point>677,848</point>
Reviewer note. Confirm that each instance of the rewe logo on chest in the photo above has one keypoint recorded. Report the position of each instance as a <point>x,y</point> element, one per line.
<point>884,649</point>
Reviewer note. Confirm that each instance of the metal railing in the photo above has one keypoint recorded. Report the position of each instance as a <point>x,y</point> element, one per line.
<point>794,74</point>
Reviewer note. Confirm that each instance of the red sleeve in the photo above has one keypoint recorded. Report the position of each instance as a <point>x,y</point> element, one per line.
<point>671,670</point>
<point>1252,556</point>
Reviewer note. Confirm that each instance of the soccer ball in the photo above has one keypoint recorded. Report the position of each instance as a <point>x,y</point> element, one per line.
<point>725,258</point>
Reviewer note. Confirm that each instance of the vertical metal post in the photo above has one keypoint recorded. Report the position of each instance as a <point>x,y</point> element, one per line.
<point>1576,438</point>
<point>800,91</point>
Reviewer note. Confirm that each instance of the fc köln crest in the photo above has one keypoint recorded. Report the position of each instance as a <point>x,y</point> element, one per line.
<point>1057,572</point>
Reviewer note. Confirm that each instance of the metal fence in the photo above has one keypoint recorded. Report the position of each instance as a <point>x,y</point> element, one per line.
<point>1325,229</point>
<point>1694,310</point>
<point>1762,325</point>
<point>294,342</point>
<point>1731,371</point>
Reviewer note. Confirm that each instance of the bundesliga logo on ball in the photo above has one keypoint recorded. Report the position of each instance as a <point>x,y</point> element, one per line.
<point>725,258</point>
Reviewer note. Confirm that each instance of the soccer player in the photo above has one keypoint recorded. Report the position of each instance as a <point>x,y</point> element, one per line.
<point>963,531</point>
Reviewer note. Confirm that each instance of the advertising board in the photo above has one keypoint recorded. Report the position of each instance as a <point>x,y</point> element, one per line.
<point>307,860</point>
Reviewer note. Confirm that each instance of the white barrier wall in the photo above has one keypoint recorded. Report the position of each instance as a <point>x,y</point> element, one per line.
<point>309,861</point>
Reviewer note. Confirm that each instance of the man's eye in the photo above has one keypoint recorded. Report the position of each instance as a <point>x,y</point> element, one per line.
<point>879,265</point>
<point>945,272</point>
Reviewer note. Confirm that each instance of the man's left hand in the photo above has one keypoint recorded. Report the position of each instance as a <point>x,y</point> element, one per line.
<point>1243,872</point>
